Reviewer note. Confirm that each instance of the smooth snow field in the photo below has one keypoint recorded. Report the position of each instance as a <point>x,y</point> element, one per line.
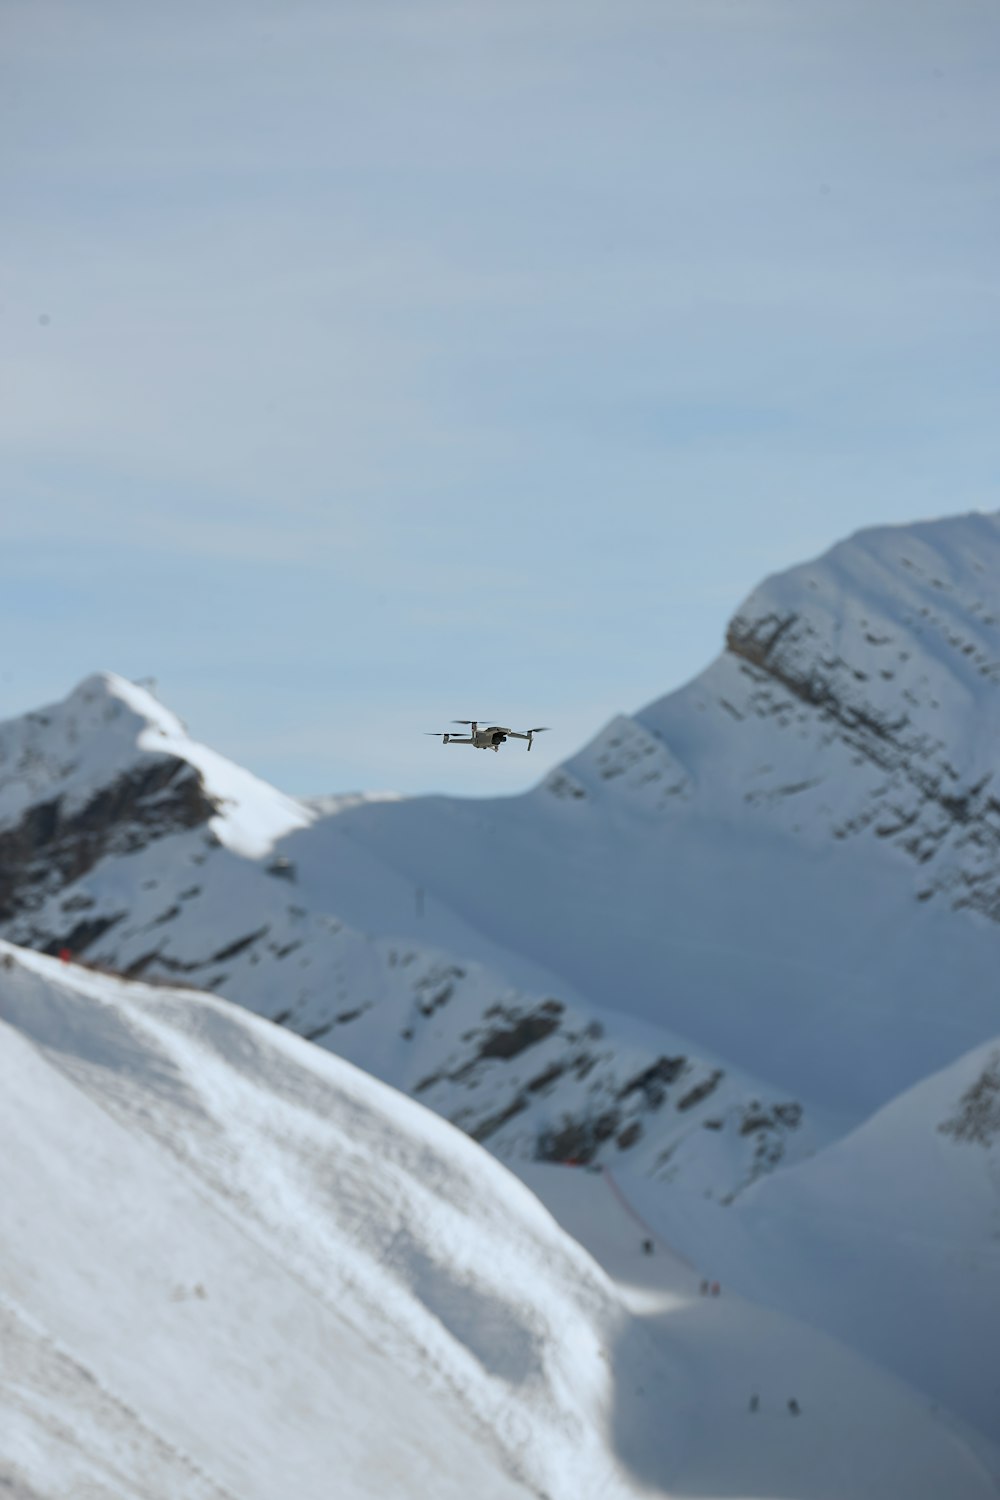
<point>889,1239</point>
<point>232,1265</point>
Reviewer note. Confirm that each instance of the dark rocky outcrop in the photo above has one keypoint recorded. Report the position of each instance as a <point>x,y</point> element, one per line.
<point>493,1123</point>
<point>978,1115</point>
<point>525,1032</point>
<point>760,642</point>
<point>50,847</point>
<point>578,1139</point>
<point>925,807</point>
<point>79,938</point>
<point>701,1090</point>
<point>652,1081</point>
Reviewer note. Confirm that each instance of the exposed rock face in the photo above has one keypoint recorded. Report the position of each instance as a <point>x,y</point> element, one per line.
<point>889,649</point>
<point>49,847</point>
<point>922,804</point>
<point>978,1115</point>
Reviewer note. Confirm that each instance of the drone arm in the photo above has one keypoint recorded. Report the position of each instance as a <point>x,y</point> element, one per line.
<point>529,734</point>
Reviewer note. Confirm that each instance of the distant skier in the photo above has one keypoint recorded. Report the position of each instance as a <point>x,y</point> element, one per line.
<point>754,1402</point>
<point>793,1407</point>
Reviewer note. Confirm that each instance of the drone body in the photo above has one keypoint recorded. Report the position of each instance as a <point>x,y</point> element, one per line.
<point>487,739</point>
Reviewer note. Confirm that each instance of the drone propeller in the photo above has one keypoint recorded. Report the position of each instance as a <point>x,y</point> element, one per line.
<point>468,721</point>
<point>532,732</point>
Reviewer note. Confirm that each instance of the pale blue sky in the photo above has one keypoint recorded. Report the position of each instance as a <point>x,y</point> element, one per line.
<point>368,363</point>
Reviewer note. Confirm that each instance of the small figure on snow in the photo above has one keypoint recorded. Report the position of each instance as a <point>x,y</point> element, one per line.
<point>754,1402</point>
<point>794,1407</point>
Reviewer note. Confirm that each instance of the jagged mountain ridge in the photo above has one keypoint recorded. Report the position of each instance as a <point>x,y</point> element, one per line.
<point>912,691</point>
<point>106,772</point>
<point>171,881</point>
<point>748,898</point>
<point>792,857</point>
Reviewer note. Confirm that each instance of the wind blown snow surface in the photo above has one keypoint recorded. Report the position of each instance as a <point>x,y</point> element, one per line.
<point>233,1266</point>
<point>276,1273</point>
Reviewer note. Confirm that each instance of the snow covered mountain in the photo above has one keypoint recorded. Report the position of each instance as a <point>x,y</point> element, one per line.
<point>720,932</point>
<point>790,861</point>
<point>109,769</point>
<point>232,1266</point>
<point>132,847</point>
<point>728,922</point>
<point>733,929</point>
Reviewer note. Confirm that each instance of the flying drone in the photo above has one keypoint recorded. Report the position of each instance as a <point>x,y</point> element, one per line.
<point>486,739</point>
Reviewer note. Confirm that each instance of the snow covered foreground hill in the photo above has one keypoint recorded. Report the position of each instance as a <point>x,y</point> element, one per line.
<point>233,1266</point>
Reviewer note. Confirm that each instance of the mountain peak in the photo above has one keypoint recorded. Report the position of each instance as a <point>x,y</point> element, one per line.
<point>901,624</point>
<point>103,689</point>
<point>109,769</point>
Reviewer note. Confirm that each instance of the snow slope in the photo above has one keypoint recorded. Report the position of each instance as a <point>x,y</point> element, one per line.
<point>890,1238</point>
<point>741,1351</point>
<point>248,1258</point>
<point>233,1265</point>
